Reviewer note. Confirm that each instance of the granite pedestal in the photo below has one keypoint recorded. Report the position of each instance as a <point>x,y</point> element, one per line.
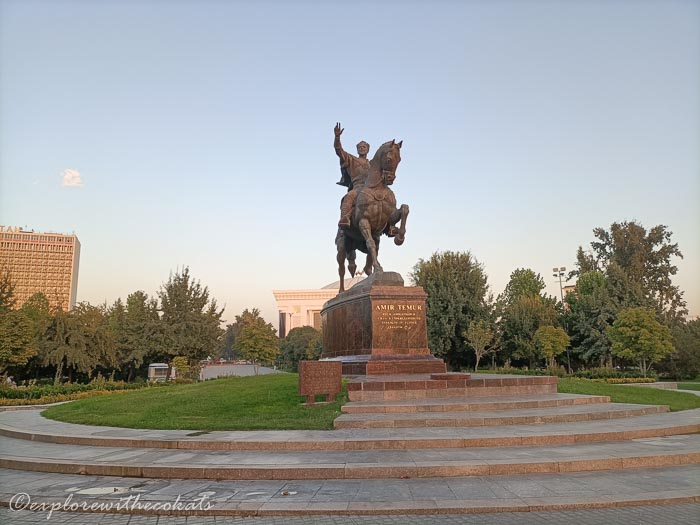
<point>378,327</point>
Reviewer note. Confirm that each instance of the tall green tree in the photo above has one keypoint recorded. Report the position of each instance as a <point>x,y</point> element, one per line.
<point>190,319</point>
<point>637,335</point>
<point>591,311</point>
<point>79,341</point>
<point>256,340</point>
<point>523,282</point>
<point>644,257</point>
<point>457,294</point>
<point>684,362</point>
<point>7,289</point>
<point>20,330</point>
<point>17,341</point>
<point>137,331</point>
<point>522,309</point>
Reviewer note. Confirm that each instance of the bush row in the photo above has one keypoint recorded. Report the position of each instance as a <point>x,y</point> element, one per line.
<point>619,376</point>
<point>44,391</point>
<point>57,398</point>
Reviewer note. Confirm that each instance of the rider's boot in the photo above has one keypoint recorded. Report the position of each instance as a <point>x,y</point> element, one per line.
<point>345,212</point>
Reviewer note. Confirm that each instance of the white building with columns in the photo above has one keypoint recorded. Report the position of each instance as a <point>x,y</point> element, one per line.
<point>299,308</point>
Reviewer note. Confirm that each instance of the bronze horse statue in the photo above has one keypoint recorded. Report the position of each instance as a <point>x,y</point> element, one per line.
<point>374,214</point>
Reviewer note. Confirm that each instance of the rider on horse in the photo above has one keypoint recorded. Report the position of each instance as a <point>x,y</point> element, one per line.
<point>355,171</point>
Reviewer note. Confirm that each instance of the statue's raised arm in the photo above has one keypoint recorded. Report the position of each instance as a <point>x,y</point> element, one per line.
<point>345,179</point>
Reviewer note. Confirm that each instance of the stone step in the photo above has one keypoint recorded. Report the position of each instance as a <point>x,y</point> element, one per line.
<point>30,426</point>
<point>426,496</point>
<point>468,404</point>
<point>520,416</point>
<point>347,464</point>
<point>422,386</point>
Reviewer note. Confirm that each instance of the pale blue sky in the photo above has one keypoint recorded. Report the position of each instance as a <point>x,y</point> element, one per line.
<point>203,133</point>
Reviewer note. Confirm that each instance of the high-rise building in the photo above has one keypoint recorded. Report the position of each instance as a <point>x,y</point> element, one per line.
<point>41,262</point>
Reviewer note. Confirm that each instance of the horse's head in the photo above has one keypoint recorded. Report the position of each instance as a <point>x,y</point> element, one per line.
<point>387,159</point>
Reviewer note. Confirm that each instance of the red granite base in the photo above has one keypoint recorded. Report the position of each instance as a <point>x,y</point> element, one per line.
<point>423,386</point>
<point>389,366</point>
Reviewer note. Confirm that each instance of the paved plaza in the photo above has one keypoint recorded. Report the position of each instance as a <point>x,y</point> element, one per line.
<point>683,514</point>
<point>537,458</point>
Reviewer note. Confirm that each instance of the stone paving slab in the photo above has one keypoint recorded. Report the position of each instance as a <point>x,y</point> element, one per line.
<point>677,514</point>
<point>345,464</point>
<point>471,403</point>
<point>30,425</point>
<point>519,416</point>
<point>530,493</point>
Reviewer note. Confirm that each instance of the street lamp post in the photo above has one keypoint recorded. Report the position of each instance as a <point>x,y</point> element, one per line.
<point>560,272</point>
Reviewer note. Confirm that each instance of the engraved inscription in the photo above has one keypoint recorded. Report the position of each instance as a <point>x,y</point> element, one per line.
<point>398,316</point>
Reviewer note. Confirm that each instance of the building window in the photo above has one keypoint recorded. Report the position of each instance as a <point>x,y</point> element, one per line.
<point>283,325</point>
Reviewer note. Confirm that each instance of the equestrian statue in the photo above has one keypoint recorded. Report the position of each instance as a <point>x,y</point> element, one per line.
<point>368,209</point>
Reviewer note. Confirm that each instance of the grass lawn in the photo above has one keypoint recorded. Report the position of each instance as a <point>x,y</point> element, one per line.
<point>689,386</point>
<point>269,402</point>
<point>631,394</point>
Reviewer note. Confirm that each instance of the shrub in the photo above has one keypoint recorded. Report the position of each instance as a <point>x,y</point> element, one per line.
<point>44,391</point>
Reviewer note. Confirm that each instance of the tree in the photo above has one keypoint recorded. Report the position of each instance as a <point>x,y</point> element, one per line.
<point>519,323</point>
<point>256,339</point>
<point>522,310</point>
<point>225,348</point>
<point>523,282</point>
<point>7,289</point>
<point>637,335</point>
<point>591,311</point>
<point>137,331</point>
<point>457,294</point>
<point>551,342</point>
<point>644,257</point>
<point>299,344</point>
<point>78,341</point>
<point>190,321</point>
<point>17,341</point>
<point>684,363</point>
<point>480,337</point>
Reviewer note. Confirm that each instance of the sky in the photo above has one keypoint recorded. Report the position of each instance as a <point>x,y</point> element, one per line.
<point>200,133</point>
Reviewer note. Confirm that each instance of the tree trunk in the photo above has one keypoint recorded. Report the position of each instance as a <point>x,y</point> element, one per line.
<point>476,365</point>
<point>59,373</point>
<point>131,372</point>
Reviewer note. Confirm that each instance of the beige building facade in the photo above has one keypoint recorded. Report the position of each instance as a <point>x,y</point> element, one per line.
<point>41,263</point>
<point>299,308</point>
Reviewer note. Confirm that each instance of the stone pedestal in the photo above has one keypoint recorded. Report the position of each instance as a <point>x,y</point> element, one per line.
<point>378,327</point>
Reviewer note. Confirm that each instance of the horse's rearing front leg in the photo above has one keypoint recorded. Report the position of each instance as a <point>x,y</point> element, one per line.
<point>366,231</point>
<point>398,233</point>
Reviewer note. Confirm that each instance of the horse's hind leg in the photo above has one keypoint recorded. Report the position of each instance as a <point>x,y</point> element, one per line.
<point>368,265</point>
<point>366,230</point>
<point>340,257</point>
<point>352,265</point>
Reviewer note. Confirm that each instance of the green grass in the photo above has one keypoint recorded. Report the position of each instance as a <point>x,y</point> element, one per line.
<point>269,402</point>
<point>631,394</point>
<point>689,386</point>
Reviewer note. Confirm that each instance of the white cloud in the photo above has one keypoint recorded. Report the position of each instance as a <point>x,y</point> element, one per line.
<point>71,178</point>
